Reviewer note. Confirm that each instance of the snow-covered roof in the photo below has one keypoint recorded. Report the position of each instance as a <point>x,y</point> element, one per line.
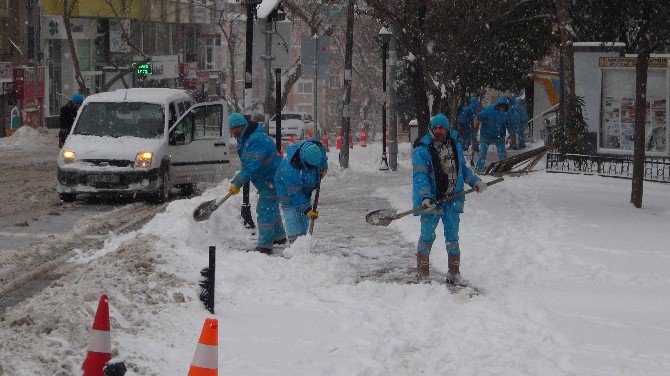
<point>266,7</point>
<point>149,95</point>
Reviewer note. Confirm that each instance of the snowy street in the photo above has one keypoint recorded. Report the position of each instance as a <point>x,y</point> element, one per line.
<point>576,283</point>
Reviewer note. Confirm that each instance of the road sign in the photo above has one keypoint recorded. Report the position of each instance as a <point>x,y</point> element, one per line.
<point>323,55</point>
<point>282,41</point>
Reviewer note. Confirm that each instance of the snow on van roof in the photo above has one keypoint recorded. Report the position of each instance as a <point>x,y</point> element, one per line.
<point>148,95</point>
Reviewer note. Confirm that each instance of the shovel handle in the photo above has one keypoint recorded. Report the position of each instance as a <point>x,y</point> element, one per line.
<point>314,207</point>
<point>444,199</point>
<point>223,199</point>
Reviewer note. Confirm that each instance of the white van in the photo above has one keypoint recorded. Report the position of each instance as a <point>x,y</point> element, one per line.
<point>143,141</point>
<point>297,124</point>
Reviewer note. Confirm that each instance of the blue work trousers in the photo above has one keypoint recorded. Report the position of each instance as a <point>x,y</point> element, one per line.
<point>483,150</point>
<point>450,221</point>
<point>296,222</point>
<point>465,137</point>
<point>270,227</point>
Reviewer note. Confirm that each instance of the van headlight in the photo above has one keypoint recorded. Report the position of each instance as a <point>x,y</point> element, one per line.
<point>68,156</point>
<point>143,160</point>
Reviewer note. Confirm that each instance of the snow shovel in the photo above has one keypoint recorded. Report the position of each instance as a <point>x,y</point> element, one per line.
<point>204,210</point>
<point>316,203</point>
<point>384,217</point>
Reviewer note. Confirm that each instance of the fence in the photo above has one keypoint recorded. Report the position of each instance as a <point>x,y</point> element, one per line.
<point>655,169</point>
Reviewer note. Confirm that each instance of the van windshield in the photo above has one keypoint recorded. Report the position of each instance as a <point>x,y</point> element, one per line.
<point>144,120</point>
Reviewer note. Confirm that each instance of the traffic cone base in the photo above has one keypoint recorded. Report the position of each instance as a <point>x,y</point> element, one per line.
<point>206,359</point>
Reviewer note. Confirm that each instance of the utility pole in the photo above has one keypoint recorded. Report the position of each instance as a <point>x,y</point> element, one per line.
<point>385,35</point>
<point>267,57</point>
<point>346,102</point>
<point>251,5</point>
<point>315,82</point>
<point>278,111</point>
<point>393,132</point>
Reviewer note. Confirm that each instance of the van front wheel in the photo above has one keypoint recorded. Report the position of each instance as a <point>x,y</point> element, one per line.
<point>162,192</point>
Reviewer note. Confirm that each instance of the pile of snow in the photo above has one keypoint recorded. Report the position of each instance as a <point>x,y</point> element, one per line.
<point>28,138</point>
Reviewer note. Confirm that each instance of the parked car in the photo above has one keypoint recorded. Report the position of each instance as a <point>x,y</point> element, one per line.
<point>296,124</point>
<point>143,141</point>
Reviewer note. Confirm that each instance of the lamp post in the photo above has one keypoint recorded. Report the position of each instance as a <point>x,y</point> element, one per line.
<point>250,6</point>
<point>385,36</point>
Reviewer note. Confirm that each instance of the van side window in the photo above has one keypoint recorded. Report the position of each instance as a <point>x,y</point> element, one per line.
<point>207,121</point>
<point>183,107</point>
<point>173,115</point>
<point>186,127</point>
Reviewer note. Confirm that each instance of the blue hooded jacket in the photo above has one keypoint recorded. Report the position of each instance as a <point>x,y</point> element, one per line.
<point>424,184</point>
<point>468,113</point>
<point>259,157</point>
<point>294,181</point>
<point>493,122</point>
<point>518,116</point>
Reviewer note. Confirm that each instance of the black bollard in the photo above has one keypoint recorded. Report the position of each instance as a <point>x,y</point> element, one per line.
<point>207,283</point>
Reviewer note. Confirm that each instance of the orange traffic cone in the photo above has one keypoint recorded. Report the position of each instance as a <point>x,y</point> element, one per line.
<point>324,140</point>
<point>206,359</point>
<point>99,342</point>
<point>338,144</point>
<point>291,140</point>
<point>309,134</point>
<point>364,137</point>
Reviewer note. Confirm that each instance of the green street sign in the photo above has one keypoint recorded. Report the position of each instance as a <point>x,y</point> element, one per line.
<point>143,69</point>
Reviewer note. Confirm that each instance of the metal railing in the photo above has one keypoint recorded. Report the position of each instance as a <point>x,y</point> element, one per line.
<point>655,169</point>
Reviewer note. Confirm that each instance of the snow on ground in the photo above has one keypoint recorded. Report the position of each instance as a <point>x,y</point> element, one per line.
<point>576,278</point>
<point>28,138</point>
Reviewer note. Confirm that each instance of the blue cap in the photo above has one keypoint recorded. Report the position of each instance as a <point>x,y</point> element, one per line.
<point>78,98</point>
<point>439,120</point>
<point>311,154</point>
<point>236,120</point>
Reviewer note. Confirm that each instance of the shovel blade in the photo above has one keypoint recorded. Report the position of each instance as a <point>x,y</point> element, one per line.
<point>381,217</point>
<point>204,210</point>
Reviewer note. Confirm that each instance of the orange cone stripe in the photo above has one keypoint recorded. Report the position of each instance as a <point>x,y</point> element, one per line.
<point>99,341</point>
<point>206,356</point>
<point>198,371</point>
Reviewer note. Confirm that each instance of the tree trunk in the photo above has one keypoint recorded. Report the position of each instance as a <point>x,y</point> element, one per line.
<point>67,9</point>
<point>418,84</point>
<point>346,95</point>
<point>640,116</point>
<point>567,50</point>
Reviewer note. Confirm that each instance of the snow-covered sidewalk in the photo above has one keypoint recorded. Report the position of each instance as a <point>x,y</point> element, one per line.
<point>567,293</point>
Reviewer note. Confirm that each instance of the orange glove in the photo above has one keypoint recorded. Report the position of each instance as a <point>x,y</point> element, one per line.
<point>233,189</point>
<point>312,214</point>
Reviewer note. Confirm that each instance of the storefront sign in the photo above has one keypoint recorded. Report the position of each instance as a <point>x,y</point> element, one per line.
<point>53,27</point>
<point>165,67</point>
<point>24,83</point>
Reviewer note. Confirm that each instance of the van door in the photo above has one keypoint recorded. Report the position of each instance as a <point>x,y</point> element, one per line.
<point>199,144</point>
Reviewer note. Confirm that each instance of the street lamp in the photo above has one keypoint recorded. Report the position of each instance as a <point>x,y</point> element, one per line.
<point>250,6</point>
<point>385,36</point>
